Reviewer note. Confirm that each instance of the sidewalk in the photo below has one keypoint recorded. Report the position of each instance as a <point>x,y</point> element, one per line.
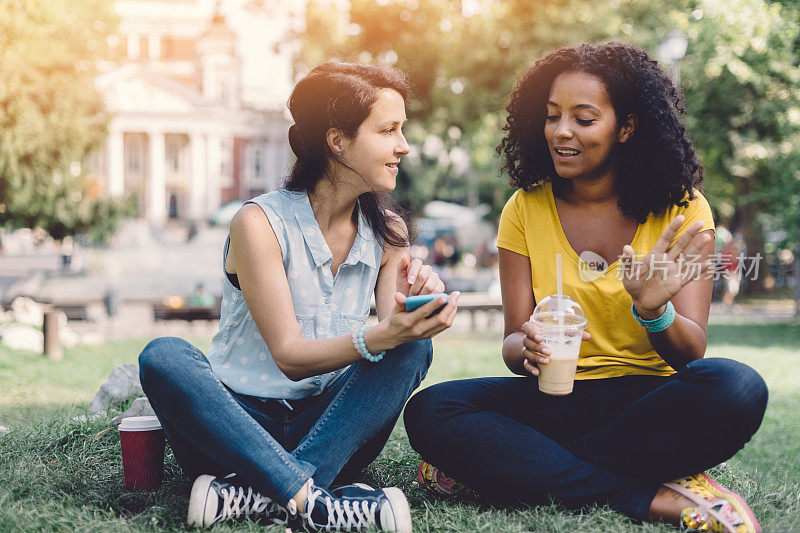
<point>768,311</point>
<point>22,274</point>
<point>140,267</point>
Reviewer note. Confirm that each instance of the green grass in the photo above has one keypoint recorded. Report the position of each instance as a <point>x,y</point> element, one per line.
<point>60,475</point>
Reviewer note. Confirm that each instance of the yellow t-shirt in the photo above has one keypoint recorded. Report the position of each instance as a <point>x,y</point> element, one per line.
<point>619,346</point>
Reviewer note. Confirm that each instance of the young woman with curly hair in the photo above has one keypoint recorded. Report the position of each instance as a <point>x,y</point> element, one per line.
<point>605,170</point>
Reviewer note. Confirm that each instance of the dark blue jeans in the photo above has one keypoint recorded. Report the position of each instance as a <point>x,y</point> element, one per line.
<point>272,447</point>
<point>611,441</point>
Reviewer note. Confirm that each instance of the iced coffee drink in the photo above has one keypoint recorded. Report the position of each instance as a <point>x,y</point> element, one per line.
<point>561,323</point>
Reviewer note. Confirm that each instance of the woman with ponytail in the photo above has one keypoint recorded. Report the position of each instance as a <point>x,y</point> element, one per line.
<point>297,390</point>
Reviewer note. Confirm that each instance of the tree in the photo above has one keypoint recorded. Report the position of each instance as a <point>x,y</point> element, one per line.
<point>52,117</point>
<point>462,59</point>
<point>741,79</point>
<point>740,76</point>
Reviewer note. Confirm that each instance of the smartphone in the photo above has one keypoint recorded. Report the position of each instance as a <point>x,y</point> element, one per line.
<point>413,302</point>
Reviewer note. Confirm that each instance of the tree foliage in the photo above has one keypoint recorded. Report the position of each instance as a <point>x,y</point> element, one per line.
<point>741,78</point>
<point>52,117</point>
<point>742,85</point>
<point>463,59</point>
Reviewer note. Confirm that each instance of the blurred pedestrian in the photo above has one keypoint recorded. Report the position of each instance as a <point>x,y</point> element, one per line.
<point>201,298</point>
<point>731,268</point>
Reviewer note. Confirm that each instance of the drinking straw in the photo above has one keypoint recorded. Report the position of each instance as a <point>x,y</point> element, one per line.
<point>559,310</point>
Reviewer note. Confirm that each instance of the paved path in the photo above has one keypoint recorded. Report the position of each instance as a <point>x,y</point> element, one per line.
<point>140,266</point>
<point>15,271</point>
<point>755,312</point>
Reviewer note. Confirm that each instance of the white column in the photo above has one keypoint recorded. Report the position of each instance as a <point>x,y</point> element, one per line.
<point>154,46</point>
<point>156,182</point>
<point>133,46</point>
<point>271,164</point>
<point>197,181</point>
<point>115,154</point>
<point>245,166</point>
<point>286,160</point>
<point>213,183</point>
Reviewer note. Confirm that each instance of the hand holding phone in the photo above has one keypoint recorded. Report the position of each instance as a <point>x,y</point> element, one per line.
<point>414,302</point>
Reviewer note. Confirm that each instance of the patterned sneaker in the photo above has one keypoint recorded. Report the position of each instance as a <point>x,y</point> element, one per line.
<point>437,481</point>
<point>214,500</point>
<point>356,507</point>
<point>718,510</point>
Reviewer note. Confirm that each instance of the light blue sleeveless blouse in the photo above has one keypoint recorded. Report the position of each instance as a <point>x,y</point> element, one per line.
<point>324,306</point>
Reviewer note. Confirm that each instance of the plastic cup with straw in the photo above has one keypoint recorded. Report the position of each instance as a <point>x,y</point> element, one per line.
<point>561,322</point>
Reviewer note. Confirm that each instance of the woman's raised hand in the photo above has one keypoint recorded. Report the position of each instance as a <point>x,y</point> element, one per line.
<point>662,273</point>
<point>534,353</point>
<point>402,326</point>
<point>414,277</point>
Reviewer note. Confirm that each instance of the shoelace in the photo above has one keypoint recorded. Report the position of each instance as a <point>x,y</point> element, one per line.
<point>342,515</point>
<point>714,513</point>
<point>693,520</point>
<point>236,501</point>
<point>716,516</point>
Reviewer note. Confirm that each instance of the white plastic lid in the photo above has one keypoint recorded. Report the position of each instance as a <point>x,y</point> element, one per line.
<point>140,423</point>
<point>548,310</point>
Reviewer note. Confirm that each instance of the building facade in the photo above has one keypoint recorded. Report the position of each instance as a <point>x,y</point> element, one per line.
<point>190,129</point>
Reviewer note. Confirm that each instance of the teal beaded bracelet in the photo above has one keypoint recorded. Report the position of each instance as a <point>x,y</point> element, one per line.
<point>658,324</point>
<point>361,346</point>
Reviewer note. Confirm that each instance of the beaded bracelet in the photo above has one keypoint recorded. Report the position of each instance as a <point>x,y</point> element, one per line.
<point>361,346</point>
<point>657,324</point>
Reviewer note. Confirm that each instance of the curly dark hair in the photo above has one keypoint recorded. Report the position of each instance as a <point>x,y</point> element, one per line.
<point>656,169</point>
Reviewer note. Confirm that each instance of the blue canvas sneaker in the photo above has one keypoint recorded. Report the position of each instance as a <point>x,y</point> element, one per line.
<point>215,500</point>
<point>356,507</point>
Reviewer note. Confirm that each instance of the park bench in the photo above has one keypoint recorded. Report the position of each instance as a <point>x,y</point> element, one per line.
<point>74,311</point>
<point>189,314</point>
<point>489,308</point>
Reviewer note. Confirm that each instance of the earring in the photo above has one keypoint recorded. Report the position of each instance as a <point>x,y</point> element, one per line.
<point>339,154</point>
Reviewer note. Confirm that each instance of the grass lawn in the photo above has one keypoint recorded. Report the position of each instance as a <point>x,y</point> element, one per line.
<point>58,475</point>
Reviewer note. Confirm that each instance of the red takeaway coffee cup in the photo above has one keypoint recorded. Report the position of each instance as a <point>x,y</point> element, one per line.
<point>142,441</point>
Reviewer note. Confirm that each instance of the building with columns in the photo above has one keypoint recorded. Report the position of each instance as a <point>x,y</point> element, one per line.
<point>191,128</point>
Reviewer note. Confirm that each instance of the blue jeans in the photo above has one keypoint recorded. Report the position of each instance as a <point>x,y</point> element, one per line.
<point>272,447</point>
<point>612,441</point>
